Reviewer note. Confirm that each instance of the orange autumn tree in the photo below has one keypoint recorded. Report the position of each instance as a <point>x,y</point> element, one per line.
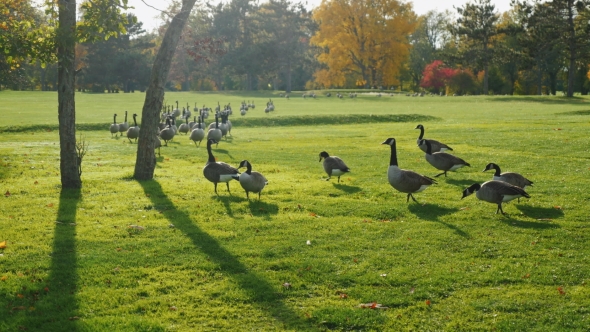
<point>362,40</point>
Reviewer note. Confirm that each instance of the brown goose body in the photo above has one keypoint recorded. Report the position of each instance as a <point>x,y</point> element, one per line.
<point>434,144</point>
<point>333,165</point>
<point>442,160</point>
<point>216,171</point>
<point>514,179</point>
<point>495,192</point>
<point>133,132</point>
<point>250,180</point>
<point>114,126</point>
<point>402,180</point>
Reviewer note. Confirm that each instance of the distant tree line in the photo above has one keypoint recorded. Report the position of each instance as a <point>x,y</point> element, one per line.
<point>534,48</point>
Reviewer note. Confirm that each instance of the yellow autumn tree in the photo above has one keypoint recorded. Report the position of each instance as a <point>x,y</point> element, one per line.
<point>362,40</point>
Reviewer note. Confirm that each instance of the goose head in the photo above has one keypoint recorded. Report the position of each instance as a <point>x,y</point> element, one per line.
<point>491,166</point>
<point>324,155</point>
<point>389,141</point>
<point>471,189</point>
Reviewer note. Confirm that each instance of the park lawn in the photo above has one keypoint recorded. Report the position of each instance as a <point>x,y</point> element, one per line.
<point>170,255</point>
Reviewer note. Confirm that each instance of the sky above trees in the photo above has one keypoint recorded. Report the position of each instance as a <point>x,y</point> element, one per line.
<point>148,15</point>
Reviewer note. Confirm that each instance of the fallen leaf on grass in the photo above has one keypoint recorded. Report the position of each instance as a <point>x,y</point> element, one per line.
<point>50,205</point>
<point>373,305</point>
<point>7,193</point>
<point>3,278</point>
<point>313,214</point>
<point>137,227</point>
<point>3,244</point>
<point>343,296</point>
<point>173,308</point>
<point>36,182</point>
<point>20,296</point>
<point>19,308</point>
<point>428,303</point>
<point>560,290</point>
<point>412,290</point>
<point>557,207</point>
<point>287,285</point>
<point>526,276</point>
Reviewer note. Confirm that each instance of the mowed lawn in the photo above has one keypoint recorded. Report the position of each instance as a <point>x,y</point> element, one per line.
<point>170,255</point>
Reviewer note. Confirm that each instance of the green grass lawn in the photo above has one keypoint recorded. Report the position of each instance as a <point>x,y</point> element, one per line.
<point>75,260</point>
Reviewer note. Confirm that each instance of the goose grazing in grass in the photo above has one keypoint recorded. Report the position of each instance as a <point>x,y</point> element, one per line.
<point>114,126</point>
<point>215,133</point>
<point>184,128</point>
<point>158,145</point>
<point>333,165</point>
<point>442,160</point>
<point>402,180</point>
<point>133,132</point>
<point>167,133</point>
<point>514,179</point>
<point>435,145</point>
<point>216,171</point>
<point>495,192</point>
<point>123,126</point>
<point>251,181</point>
<point>197,134</point>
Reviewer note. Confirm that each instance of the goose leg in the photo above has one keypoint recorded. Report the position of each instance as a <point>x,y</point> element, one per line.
<point>215,184</point>
<point>247,195</point>
<point>328,179</point>
<point>259,196</point>
<point>445,173</point>
<point>412,196</point>
<point>227,183</point>
<point>338,179</point>
<point>500,209</point>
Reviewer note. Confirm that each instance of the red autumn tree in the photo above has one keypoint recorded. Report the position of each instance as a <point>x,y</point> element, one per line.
<point>436,76</point>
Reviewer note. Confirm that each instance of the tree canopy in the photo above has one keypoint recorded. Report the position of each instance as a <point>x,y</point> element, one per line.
<point>366,41</point>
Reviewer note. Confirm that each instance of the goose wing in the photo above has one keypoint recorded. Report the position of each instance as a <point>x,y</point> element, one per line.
<point>450,159</point>
<point>335,163</point>
<point>515,179</point>
<point>504,188</point>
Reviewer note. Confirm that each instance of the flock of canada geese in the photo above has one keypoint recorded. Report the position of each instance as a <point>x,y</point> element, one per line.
<point>503,187</point>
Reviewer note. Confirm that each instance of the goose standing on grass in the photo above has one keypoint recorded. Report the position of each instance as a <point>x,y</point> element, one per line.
<point>436,145</point>
<point>192,123</point>
<point>495,192</point>
<point>333,165</point>
<point>442,160</point>
<point>123,126</point>
<point>133,132</point>
<point>215,133</point>
<point>402,180</point>
<point>167,133</point>
<point>114,126</point>
<point>216,171</point>
<point>251,181</point>
<point>184,128</point>
<point>514,179</point>
<point>197,134</point>
<point>158,145</point>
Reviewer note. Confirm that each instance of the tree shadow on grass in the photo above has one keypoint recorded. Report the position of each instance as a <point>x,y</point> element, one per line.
<point>527,224</point>
<point>260,291</point>
<point>57,305</point>
<point>432,212</point>
<point>227,200</point>
<point>540,212</point>
<point>346,188</point>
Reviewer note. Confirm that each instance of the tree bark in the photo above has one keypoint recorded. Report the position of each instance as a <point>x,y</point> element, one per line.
<point>145,163</point>
<point>66,45</point>
<point>571,72</point>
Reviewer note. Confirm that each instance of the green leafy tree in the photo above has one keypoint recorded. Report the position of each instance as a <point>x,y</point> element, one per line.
<point>476,28</point>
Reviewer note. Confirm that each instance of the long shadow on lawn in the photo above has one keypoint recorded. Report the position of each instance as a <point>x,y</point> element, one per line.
<point>57,306</point>
<point>432,212</point>
<point>540,212</point>
<point>346,188</point>
<point>260,291</point>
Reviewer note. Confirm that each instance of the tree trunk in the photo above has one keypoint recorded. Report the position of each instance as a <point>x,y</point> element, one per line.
<point>539,81</point>
<point>485,68</point>
<point>66,44</point>
<point>571,72</point>
<point>288,76</point>
<point>145,163</point>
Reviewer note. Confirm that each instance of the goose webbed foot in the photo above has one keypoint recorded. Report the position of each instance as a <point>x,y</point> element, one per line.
<point>411,196</point>
<point>500,209</point>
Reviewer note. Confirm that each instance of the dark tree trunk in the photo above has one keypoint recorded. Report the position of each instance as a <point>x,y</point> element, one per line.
<point>485,68</point>
<point>288,76</point>
<point>571,72</point>
<point>66,43</point>
<point>539,81</point>
<point>145,163</point>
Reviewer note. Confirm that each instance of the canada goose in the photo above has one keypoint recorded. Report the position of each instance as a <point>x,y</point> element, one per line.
<point>216,171</point>
<point>184,128</point>
<point>123,126</point>
<point>442,160</point>
<point>167,133</point>
<point>158,145</point>
<point>114,126</point>
<point>402,180</point>
<point>224,127</point>
<point>176,112</point>
<point>188,111</point>
<point>192,123</point>
<point>333,165</point>
<point>133,132</point>
<point>173,125</point>
<point>495,192</point>
<point>436,145</point>
<point>215,133</point>
<point>514,179</point>
<point>251,181</point>
<point>197,134</point>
